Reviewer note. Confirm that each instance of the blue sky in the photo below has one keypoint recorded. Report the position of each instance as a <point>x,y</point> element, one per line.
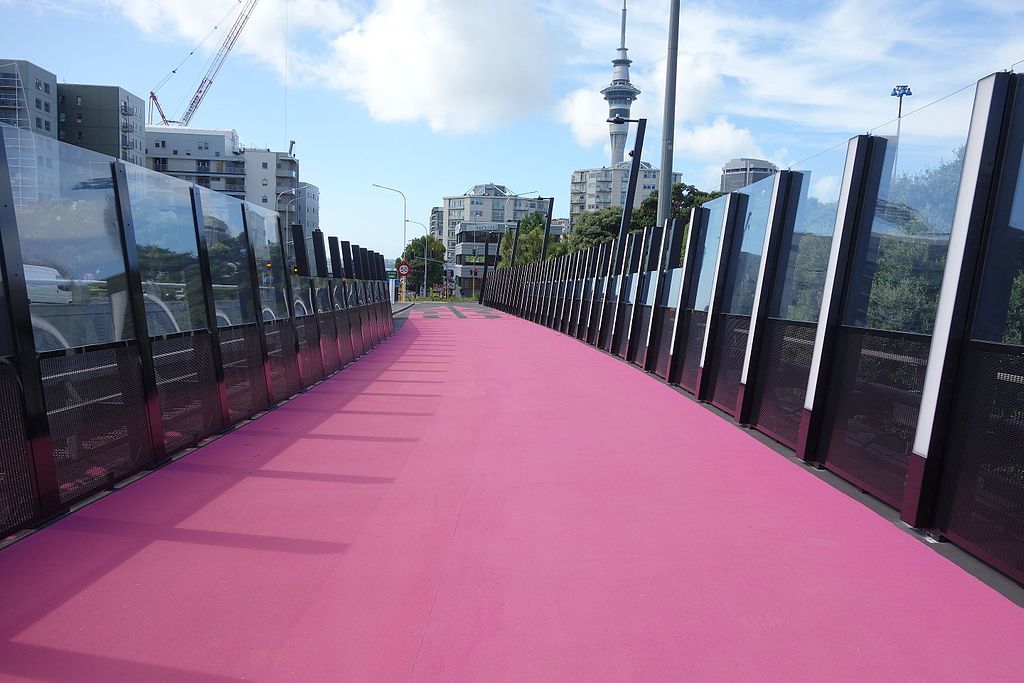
<point>434,96</point>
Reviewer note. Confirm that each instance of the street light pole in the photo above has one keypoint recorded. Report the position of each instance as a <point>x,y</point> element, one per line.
<point>668,125</point>
<point>405,208</point>
<point>900,91</point>
<point>426,244</point>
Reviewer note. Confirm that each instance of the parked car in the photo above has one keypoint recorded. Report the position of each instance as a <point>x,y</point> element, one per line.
<point>46,286</point>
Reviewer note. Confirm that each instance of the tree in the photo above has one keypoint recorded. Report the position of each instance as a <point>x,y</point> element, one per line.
<point>413,255</point>
<point>531,237</point>
<point>595,227</point>
<point>684,198</point>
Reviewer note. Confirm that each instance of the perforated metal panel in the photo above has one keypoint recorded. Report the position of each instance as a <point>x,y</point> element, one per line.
<point>665,321</point>
<point>694,343</point>
<point>606,326</point>
<point>96,411</point>
<point>311,364</point>
<point>729,345</point>
<point>983,480</point>
<point>622,329</point>
<point>785,367</point>
<point>17,499</point>
<point>243,371</point>
<point>284,366</point>
<point>329,343</point>
<point>876,402</point>
<point>187,387</point>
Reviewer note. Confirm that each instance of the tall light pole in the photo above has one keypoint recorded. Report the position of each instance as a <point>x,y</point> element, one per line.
<point>899,91</point>
<point>405,208</point>
<point>668,125</point>
<point>426,244</point>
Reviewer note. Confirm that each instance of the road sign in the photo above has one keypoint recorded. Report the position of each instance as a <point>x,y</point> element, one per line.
<point>403,269</point>
<point>402,279</point>
<point>392,274</point>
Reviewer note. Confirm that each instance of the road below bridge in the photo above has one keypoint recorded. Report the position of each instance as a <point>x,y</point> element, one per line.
<point>482,498</point>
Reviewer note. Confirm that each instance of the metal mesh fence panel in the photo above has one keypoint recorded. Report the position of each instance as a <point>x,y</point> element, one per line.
<point>729,346</point>
<point>243,371</point>
<point>876,402</point>
<point>187,387</point>
<point>17,499</point>
<point>97,415</point>
<point>782,385</point>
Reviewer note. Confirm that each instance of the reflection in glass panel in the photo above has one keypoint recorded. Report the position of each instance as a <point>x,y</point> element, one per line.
<point>806,249</point>
<point>999,316</point>
<point>302,295</point>
<point>71,243</point>
<point>739,297</point>
<point>706,268</point>
<point>168,257</point>
<point>270,267</point>
<point>229,254</point>
<point>900,266</point>
<point>322,294</point>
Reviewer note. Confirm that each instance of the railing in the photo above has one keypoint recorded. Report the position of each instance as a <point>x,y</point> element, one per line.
<point>120,346</point>
<point>865,308</point>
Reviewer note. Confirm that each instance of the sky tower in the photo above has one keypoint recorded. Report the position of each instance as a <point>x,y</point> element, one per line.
<point>620,94</point>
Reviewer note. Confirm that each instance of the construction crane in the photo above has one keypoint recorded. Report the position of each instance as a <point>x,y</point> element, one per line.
<point>218,62</point>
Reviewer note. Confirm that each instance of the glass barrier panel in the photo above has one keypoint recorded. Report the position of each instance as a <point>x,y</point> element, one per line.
<point>270,267</point>
<point>165,233</point>
<point>302,296</point>
<point>706,268</point>
<point>805,249</point>
<point>229,258</point>
<point>71,242</point>
<point>742,280</point>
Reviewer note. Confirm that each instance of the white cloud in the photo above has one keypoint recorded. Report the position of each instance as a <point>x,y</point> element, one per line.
<point>719,140</point>
<point>458,66</point>
<point>585,112</point>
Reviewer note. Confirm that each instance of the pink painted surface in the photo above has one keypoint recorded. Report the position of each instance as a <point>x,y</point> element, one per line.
<point>485,499</point>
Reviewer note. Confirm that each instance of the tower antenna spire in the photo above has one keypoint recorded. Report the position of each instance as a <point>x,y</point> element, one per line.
<point>620,94</point>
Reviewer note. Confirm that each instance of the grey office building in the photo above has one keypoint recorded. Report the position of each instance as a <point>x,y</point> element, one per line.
<point>104,118</point>
<point>742,172</point>
<point>28,101</point>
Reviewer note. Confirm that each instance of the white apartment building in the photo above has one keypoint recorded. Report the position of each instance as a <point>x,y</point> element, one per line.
<point>592,189</point>
<point>488,203</point>
<point>209,157</point>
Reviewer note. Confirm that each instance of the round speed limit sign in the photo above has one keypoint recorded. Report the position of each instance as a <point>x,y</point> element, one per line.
<point>403,269</point>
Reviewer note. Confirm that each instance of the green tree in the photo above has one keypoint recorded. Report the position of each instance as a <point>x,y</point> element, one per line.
<point>413,255</point>
<point>684,198</point>
<point>595,227</point>
<point>531,237</point>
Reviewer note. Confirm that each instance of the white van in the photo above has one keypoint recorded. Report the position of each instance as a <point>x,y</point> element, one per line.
<point>46,286</point>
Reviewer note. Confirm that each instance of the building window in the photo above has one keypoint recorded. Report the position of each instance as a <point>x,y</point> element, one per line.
<point>264,199</point>
<point>60,117</point>
<point>39,85</point>
<point>46,88</point>
<point>78,100</point>
<point>264,164</point>
<point>175,152</point>
<point>39,103</point>
<point>46,125</point>
<point>39,122</point>
<point>78,118</point>
<point>265,183</point>
<point>46,106</point>
<point>78,135</point>
<point>60,99</point>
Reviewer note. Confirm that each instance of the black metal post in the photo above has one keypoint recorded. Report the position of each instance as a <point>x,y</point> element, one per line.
<point>137,305</point>
<point>257,297</point>
<point>864,162</point>
<point>634,175</point>
<point>346,255</point>
<point>320,253</point>
<point>299,247</point>
<point>337,267</point>
<point>699,218</point>
<point>210,302</point>
<point>547,229</point>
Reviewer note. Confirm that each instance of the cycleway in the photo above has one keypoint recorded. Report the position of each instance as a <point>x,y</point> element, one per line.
<point>482,498</point>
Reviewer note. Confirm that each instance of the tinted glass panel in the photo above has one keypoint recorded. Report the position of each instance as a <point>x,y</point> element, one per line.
<point>1000,312</point>
<point>898,272</point>
<point>706,269</point>
<point>229,258</point>
<point>805,250</point>
<point>270,267</point>
<point>743,276</point>
<point>71,242</point>
<point>168,257</point>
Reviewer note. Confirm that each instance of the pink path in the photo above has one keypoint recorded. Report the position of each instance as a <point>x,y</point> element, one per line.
<point>485,499</point>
